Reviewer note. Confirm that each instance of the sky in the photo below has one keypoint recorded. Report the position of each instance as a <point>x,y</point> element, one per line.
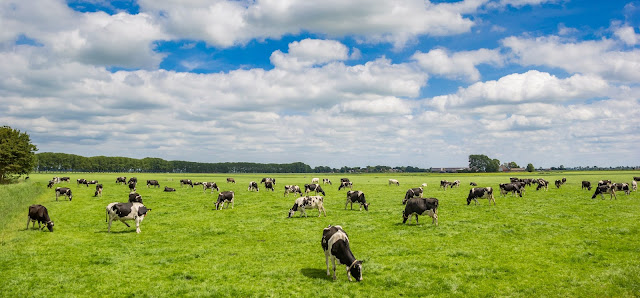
<point>328,83</point>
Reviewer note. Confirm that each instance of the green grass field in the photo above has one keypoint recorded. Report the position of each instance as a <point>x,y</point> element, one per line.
<point>554,243</point>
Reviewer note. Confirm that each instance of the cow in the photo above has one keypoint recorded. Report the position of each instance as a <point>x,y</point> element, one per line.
<point>634,185</point>
<point>345,184</point>
<point>212,185</point>
<point>55,180</point>
<point>64,191</point>
<point>335,244</point>
<point>135,197</point>
<point>79,181</point>
<point>411,193</point>
<point>231,180</point>
<point>168,189</point>
<point>481,192</point>
<point>126,211</point>
<point>605,189</point>
<point>344,180</point>
<point>418,206</point>
<point>510,187</point>
<point>291,189</point>
<point>558,183</point>
<point>308,202</point>
<point>50,184</point>
<point>186,181</point>
<point>444,184</point>
<point>98,190</point>
<point>513,179</point>
<point>197,183</point>
<point>264,180</point>
<point>253,185</point>
<point>542,184</point>
<point>225,197</point>
<point>155,183</point>
<point>122,180</point>
<point>622,187</point>
<point>314,187</point>
<point>636,178</point>
<point>564,180</point>
<point>586,184</point>
<point>358,197</point>
<point>87,182</point>
<point>65,179</point>
<point>603,182</point>
<point>268,185</point>
<point>40,214</point>
<point>394,181</point>
<point>133,179</point>
<point>424,184</point>
<point>455,183</point>
<point>132,185</point>
<point>326,181</point>
<point>315,180</point>
<point>473,184</point>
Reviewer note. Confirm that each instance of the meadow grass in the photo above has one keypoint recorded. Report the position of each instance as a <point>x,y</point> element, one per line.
<point>549,243</point>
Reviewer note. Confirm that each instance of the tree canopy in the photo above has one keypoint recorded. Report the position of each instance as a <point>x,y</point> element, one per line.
<point>482,163</point>
<point>17,154</point>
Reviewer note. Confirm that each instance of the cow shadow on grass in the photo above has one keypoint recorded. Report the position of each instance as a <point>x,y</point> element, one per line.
<point>116,232</point>
<point>314,273</point>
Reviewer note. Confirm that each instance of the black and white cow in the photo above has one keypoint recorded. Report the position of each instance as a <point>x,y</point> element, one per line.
<point>455,183</point>
<point>65,179</point>
<point>121,180</point>
<point>308,202</point>
<point>313,187</point>
<point>357,197</point>
<point>132,185</point>
<point>344,180</point>
<point>603,182</point>
<point>91,182</point>
<point>50,184</point>
<point>268,185</point>
<point>418,206</point>
<point>40,214</point>
<point>636,178</point>
<point>135,197</point>
<point>155,183</point>
<point>133,179</point>
<point>481,192</point>
<point>225,197</point>
<point>444,184</point>
<point>315,180</point>
<point>253,186</point>
<point>394,182</point>
<point>231,180</point>
<point>186,182</point>
<point>345,184</point>
<point>55,180</point>
<point>264,180</point>
<point>586,184</point>
<point>605,189</point>
<point>326,181</point>
<point>542,184</point>
<point>473,183</point>
<point>291,189</point>
<point>168,189</point>
<point>64,191</point>
<point>411,193</point>
<point>126,211</point>
<point>510,187</point>
<point>335,244</point>
<point>622,187</point>
<point>558,183</point>
<point>211,185</point>
<point>80,181</point>
<point>98,190</point>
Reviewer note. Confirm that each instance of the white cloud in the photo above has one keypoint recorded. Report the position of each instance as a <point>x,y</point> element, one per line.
<point>310,52</point>
<point>628,35</point>
<point>457,65</point>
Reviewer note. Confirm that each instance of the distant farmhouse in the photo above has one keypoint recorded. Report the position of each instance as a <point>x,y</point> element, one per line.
<point>449,170</point>
<point>503,168</point>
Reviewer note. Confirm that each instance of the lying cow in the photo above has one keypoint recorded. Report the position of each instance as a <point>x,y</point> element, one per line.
<point>135,197</point>
<point>231,180</point>
<point>510,187</point>
<point>411,193</point>
<point>345,184</point>
<point>291,189</point>
<point>394,181</point>
<point>481,192</point>
<point>335,244</point>
<point>309,202</point>
<point>225,197</point>
<point>168,189</point>
<point>98,190</point>
<point>64,191</point>
<point>186,182</point>
<point>268,185</point>
<point>253,186</point>
<point>418,206</point>
<point>121,180</point>
<point>357,197</point>
<point>155,183</point>
<point>605,189</point>
<point>473,184</point>
<point>313,187</point>
<point>326,181</point>
<point>211,185</point>
<point>126,211</point>
<point>586,184</point>
<point>40,214</point>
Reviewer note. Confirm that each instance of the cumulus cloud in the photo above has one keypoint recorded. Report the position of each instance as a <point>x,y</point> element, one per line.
<point>310,52</point>
<point>457,65</point>
<point>628,35</point>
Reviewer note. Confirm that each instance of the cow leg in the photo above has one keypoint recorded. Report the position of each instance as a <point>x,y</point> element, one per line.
<point>416,218</point>
<point>326,259</point>
<point>231,204</point>
<point>28,220</point>
<point>345,204</point>
<point>333,260</point>
<point>351,205</point>
<point>138,225</point>
<point>125,223</point>
<point>109,229</point>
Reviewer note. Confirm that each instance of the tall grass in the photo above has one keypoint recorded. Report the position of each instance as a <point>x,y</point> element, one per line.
<point>15,199</point>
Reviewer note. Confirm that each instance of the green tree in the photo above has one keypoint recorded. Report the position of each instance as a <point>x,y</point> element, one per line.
<point>513,164</point>
<point>482,163</point>
<point>17,155</point>
<point>530,167</point>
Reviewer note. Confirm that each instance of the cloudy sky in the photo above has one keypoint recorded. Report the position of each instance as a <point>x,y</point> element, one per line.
<point>337,83</point>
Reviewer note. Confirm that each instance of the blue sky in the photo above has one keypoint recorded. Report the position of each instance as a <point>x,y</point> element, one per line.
<point>330,83</point>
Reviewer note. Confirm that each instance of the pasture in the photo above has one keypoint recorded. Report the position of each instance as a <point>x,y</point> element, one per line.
<point>558,242</point>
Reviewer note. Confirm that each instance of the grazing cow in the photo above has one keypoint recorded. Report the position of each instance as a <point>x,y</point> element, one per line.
<point>335,244</point>
<point>622,187</point>
<point>64,191</point>
<point>291,189</point>
<point>564,180</point>
<point>542,184</point>
<point>133,179</point>
<point>411,193</point>
<point>91,182</point>
<point>56,180</point>
<point>636,178</point>
<point>264,180</point>
<point>558,183</point>
<point>186,181</point>
<point>344,180</point>
<point>40,214</point>
<point>132,185</point>
<point>473,184</point>
<point>418,206</point>
<point>121,180</point>
<point>225,197</point>
<point>510,187</point>
<point>135,197</point>
<point>126,211</point>
<point>65,179</point>
<point>634,185</point>
<point>308,202</point>
<point>394,181</point>
<point>79,181</point>
<point>586,184</point>
<point>444,184</point>
<point>212,185</point>
<point>231,180</point>
<point>604,182</point>
<point>315,180</point>
<point>155,183</point>
<point>197,183</point>
<point>481,192</point>
<point>98,190</point>
<point>253,185</point>
<point>345,184</point>
<point>605,189</point>
<point>313,187</point>
<point>358,197</point>
<point>455,183</point>
<point>513,179</point>
<point>268,185</point>
<point>326,181</point>
<point>50,185</point>
<point>169,189</point>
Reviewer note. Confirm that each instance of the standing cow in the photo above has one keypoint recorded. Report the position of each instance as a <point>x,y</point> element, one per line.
<point>418,206</point>
<point>335,244</point>
<point>412,192</point>
<point>231,180</point>
<point>126,211</point>
<point>605,189</point>
<point>211,185</point>
<point>121,180</point>
<point>40,214</point>
<point>314,187</point>
<point>253,186</point>
<point>225,197</point>
<point>309,202</point>
<point>186,182</point>
<point>98,190</point>
<point>481,192</point>
<point>586,184</point>
<point>291,189</point>
<point>153,183</point>
<point>357,197</point>
<point>394,181</point>
<point>64,191</point>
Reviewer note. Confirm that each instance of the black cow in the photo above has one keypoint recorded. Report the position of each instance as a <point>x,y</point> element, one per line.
<point>132,185</point>
<point>135,197</point>
<point>186,181</point>
<point>126,211</point>
<point>605,189</point>
<point>622,187</point>
<point>254,186</point>
<point>412,192</point>
<point>268,185</point>
<point>558,183</point>
<point>169,189</point>
<point>291,189</point>
<point>586,184</point>
<point>564,180</point>
<point>358,197</point>
<point>155,183</point>
<point>510,187</point>
<point>335,244</point>
<point>418,206</point>
<point>211,185</point>
<point>40,214</point>
<point>122,180</point>
<point>481,192</point>
<point>98,190</point>
<point>313,187</point>
<point>345,184</point>
<point>64,191</point>
<point>225,197</point>
<point>473,184</point>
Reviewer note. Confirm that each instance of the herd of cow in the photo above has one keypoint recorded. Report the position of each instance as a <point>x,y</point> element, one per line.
<point>335,241</point>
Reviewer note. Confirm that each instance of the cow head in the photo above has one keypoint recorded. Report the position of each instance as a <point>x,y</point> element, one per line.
<point>405,216</point>
<point>366,206</point>
<point>355,270</point>
<point>50,226</point>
